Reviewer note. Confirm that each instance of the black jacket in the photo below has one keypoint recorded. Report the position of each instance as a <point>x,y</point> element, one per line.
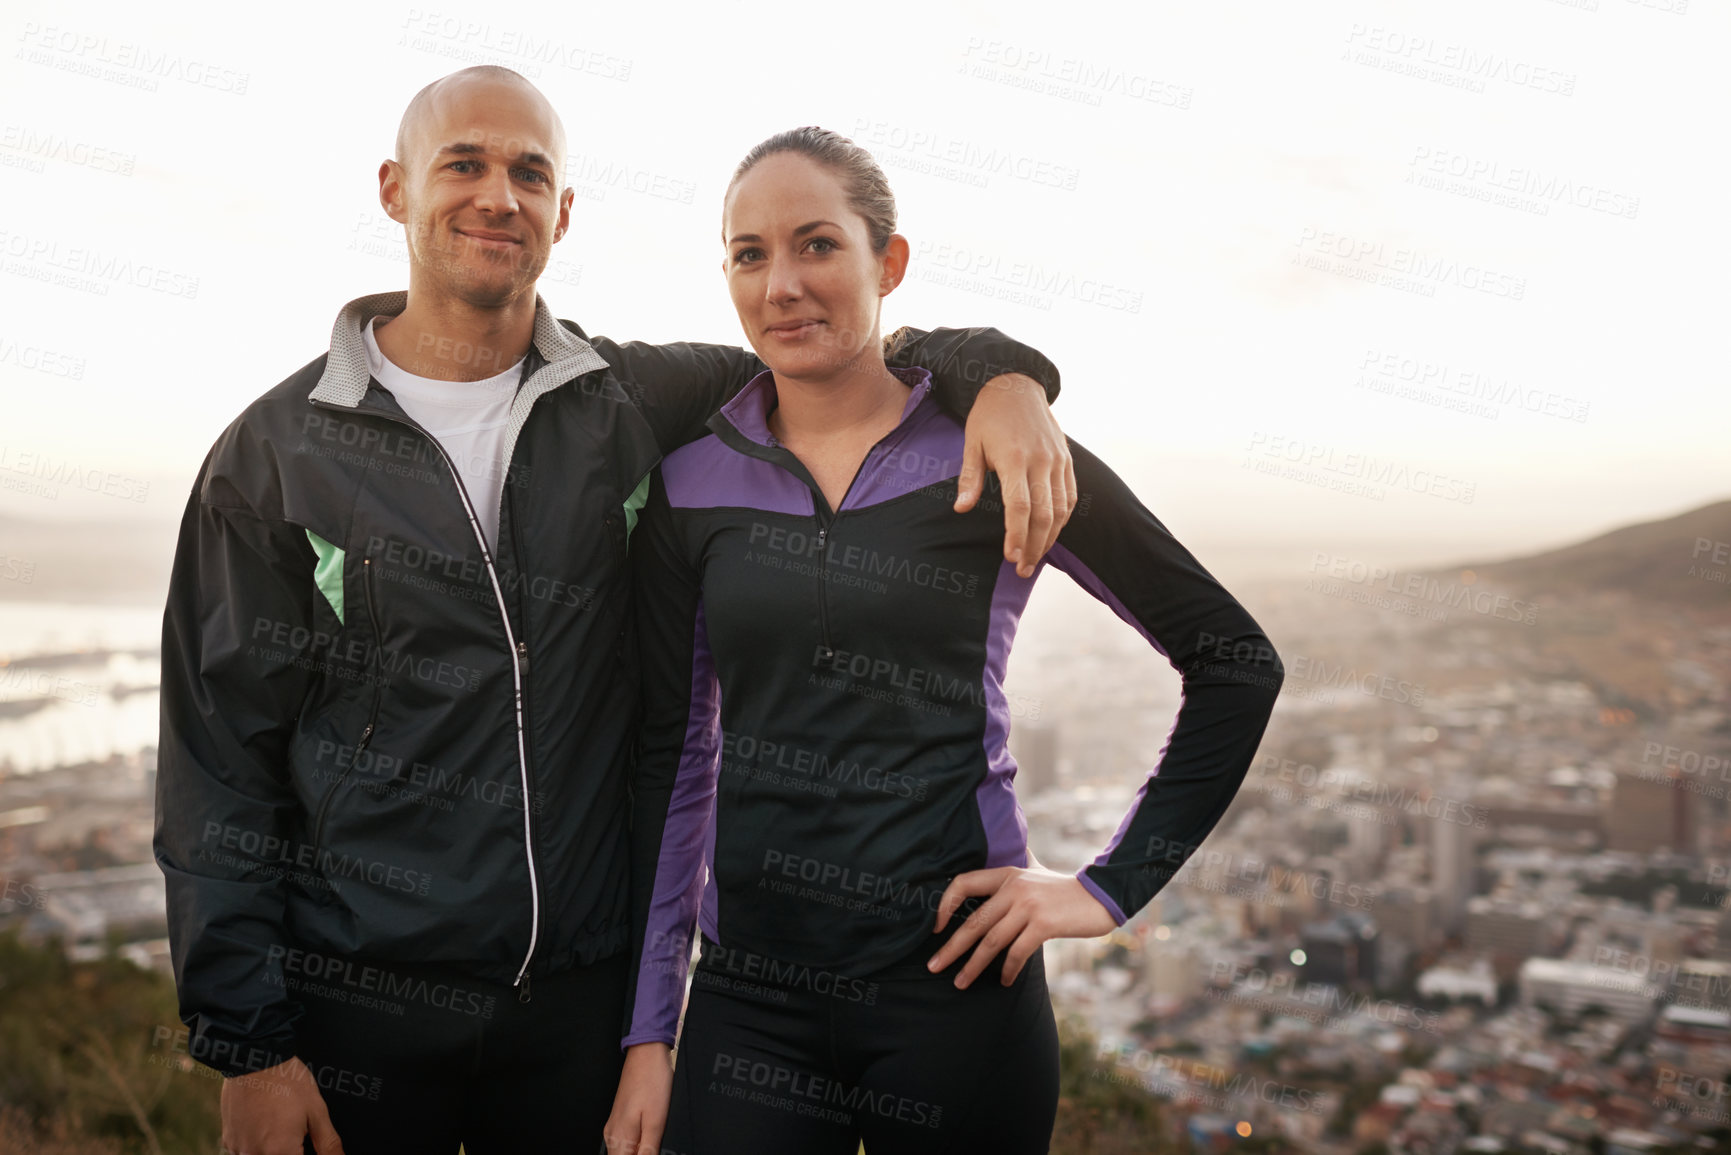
<point>825,715</point>
<point>379,738</point>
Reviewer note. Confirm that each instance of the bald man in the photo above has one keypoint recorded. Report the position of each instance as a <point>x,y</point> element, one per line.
<point>399,672</point>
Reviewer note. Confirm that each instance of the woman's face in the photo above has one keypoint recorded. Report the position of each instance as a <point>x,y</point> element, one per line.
<point>801,270</point>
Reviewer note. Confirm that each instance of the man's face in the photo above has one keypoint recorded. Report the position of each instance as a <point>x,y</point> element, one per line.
<point>477,189</point>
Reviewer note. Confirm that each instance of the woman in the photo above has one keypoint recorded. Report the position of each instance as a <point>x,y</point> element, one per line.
<point>823,778</point>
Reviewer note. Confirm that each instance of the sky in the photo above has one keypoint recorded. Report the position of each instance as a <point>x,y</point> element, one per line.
<point>1415,282</point>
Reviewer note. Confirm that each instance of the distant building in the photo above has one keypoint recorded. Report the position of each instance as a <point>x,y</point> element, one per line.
<point>1509,929</point>
<point>1407,913</point>
<point>1453,873</point>
<point>1456,983</point>
<point>1648,814</point>
<point>1568,988</point>
<point>1340,951</point>
<point>83,908</point>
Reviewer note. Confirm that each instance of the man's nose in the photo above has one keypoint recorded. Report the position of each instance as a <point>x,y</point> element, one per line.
<point>496,194</point>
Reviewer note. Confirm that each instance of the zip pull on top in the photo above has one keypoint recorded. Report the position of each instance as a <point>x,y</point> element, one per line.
<point>523,990</point>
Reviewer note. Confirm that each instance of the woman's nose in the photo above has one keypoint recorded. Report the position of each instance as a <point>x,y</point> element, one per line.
<point>783,282</point>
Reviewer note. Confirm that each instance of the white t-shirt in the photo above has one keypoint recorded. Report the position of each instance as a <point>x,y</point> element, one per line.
<point>469,419</point>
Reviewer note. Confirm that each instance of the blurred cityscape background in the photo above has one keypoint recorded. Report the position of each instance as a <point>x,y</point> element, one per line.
<point>1473,895</point>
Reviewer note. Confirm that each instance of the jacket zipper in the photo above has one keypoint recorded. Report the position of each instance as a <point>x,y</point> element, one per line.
<point>823,588</point>
<point>518,652</point>
<point>372,712</point>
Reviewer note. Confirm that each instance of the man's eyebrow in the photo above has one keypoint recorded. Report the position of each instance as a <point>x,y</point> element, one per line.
<point>799,232</point>
<point>469,148</point>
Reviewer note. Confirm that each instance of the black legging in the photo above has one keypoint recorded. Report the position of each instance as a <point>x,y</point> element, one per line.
<point>776,1059</point>
<point>500,1078</point>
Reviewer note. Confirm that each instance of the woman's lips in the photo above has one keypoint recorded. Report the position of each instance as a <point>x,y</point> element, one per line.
<point>794,331</point>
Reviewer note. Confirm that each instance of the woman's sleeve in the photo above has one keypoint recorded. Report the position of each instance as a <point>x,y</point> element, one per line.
<point>1120,553</point>
<point>673,781</point>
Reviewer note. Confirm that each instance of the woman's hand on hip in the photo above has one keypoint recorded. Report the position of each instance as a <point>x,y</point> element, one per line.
<point>1026,908</point>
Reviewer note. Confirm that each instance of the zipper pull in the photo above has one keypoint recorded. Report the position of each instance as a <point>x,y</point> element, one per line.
<point>822,534</point>
<point>523,990</point>
<point>523,656</point>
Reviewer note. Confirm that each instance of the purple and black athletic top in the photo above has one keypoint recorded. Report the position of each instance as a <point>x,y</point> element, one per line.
<point>824,739</point>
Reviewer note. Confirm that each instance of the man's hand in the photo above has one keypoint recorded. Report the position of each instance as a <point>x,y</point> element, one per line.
<point>1011,432</point>
<point>1027,907</point>
<point>272,1111</point>
<point>640,1105</point>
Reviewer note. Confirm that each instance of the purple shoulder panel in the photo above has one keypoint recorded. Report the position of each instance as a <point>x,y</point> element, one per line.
<point>707,474</point>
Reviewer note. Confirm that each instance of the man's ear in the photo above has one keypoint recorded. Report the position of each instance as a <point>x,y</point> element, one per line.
<point>564,225</point>
<point>391,198</point>
<point>895,264</point>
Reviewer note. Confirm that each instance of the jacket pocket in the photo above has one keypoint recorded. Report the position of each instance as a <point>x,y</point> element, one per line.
<point>375,676</point>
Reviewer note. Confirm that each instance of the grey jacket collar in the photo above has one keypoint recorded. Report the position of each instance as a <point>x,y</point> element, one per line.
<point>345,377</point>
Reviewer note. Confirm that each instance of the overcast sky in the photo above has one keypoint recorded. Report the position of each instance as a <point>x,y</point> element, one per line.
<point>1430,280</point>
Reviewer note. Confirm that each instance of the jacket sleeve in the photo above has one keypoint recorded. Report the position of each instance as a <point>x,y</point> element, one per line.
<point>1121,554</point>
<point>678,387</point>
<point>674,780</point>
<point>239,599</point>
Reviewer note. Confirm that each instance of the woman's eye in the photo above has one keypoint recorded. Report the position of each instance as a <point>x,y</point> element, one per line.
<point>747,256</point>
<point>827,245</point>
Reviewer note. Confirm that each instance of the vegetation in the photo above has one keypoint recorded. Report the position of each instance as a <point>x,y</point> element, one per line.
<point>93,1062</point>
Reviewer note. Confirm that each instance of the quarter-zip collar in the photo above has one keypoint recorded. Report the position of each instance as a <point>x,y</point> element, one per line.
<point>743,423</point>
<point>563,354</point>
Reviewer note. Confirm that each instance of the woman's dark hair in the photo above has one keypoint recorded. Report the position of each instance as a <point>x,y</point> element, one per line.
<point>868,191</point>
